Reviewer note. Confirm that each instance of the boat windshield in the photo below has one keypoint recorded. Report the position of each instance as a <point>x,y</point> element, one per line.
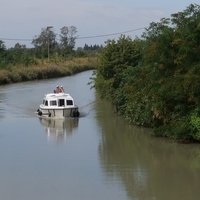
<point>61,102</point>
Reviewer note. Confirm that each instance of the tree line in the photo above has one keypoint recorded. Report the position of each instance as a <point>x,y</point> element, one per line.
<point>154,81</point>
<point>45,45</point>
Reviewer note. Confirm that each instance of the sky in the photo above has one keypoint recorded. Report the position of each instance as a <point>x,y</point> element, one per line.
<point>96,20</point>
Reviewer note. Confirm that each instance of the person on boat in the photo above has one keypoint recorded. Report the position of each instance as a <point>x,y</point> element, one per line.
<point>62,89</point>
<point>57,90</point>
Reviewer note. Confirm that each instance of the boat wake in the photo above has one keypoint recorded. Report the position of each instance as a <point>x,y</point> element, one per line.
<point>82,113</point>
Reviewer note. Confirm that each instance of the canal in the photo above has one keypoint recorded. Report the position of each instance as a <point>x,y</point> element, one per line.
<point>98,156</point>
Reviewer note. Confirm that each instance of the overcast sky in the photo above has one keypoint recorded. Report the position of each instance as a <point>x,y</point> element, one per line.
<point>24,19</point>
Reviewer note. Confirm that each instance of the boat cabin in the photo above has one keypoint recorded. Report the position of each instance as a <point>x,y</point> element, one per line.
<point>58,105</point>
<point>58,100</point>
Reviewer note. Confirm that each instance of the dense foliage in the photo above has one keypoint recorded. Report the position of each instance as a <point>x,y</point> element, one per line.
<point>155,81</point>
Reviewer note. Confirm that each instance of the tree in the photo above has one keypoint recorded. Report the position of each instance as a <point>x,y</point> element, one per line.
<point>19,46</point>
<point>116,58</point>
<point>171,74</point>
<point>67,38</point>
<point>41,42</point>
<point>92,47</point>
<point>3,54</point>
<point>2,47</point>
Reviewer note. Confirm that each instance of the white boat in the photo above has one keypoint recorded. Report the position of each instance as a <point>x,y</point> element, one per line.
<point>58,105</point>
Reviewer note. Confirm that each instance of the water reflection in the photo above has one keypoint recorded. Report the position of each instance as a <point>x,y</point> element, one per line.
<point>2,97</point>
<point>59,129</point>
<point>148,167</point>
<point>2,110</point>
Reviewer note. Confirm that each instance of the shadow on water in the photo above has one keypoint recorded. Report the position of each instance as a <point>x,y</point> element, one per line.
<point>59,129</point>
<point>148,167</point>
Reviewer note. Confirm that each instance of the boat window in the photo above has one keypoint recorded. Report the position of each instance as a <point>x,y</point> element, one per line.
<point>46,103</point>
<point>69,102</point>
<point>61,102</point>
<point>53,103</point>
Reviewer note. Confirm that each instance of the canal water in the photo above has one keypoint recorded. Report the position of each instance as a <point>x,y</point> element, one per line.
<point>96,157</point>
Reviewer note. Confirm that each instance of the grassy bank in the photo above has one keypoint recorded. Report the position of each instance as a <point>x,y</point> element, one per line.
<point>45,69</point>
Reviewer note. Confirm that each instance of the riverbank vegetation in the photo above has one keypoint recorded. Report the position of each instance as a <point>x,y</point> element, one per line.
<point>48,59</point>
<point>44,69</point>
<point>154,81</point>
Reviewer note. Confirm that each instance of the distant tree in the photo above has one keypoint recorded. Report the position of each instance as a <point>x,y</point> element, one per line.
<point>41,42</point>
<point>85,47</point>
<point>67,38</point>
<point>80,52</point>
<point>2,47</point>
<point>92,47</point>
<point>3,54</point>
<point>19,46</point>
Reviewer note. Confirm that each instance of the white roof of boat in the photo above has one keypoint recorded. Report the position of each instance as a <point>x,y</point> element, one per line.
<point>57,95</point>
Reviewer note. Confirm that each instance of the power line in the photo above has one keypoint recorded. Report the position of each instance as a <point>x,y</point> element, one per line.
<point>111,34</point>
<point>16,39</point>
<point>86,37</point>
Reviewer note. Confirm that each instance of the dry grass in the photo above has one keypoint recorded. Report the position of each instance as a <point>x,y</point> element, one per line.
<point>45,69</point>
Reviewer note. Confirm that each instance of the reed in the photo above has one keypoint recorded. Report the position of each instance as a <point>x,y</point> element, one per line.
<point>45,70</point>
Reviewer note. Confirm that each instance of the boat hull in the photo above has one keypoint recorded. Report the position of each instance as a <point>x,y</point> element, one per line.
<point>58,113</point>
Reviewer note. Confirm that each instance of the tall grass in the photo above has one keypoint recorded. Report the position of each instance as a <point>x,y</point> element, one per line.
<point>45,69</point>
